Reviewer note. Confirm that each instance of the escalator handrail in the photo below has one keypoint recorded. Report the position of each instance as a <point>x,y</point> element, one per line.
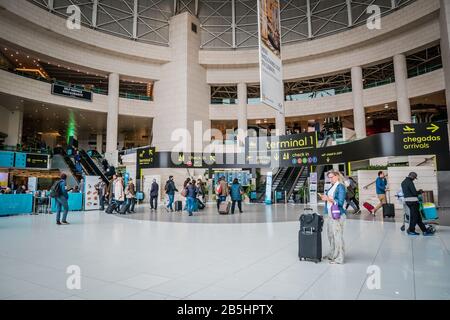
<point>93,168</point>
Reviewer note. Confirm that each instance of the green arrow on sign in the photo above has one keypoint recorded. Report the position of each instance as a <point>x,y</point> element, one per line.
<point>433,128</point>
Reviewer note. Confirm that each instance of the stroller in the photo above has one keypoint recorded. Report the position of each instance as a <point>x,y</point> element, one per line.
<point>428,212</point>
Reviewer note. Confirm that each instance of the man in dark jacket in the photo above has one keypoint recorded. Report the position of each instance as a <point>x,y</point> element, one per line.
<point>191,196</point>
<point>154,195</point>
<point>62,201</point>
<point>170,191</point>
<point>412,201</point>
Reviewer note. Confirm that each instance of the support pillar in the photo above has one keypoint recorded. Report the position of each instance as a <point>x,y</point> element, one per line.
<point>445,43</point>
<point>113,113</point>
<point>100,143</point>
<point>359,113</point>
<point>15,123</point>
<point>401,85</point>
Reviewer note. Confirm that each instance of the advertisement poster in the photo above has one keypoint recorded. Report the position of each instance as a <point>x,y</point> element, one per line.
<point>32,184</point>
<point>91,198</point>
<point>270,67</point>
<point>4,179</point>
<point>269,188</point>
<point>313,188</point>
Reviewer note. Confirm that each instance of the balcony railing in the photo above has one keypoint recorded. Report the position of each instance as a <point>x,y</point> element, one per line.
<point>125,95</point>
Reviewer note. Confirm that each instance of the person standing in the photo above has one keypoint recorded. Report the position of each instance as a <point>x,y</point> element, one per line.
<point>381,188</point>
<point>170,190</point>
<point>236,192</point>
<point>101,190</point>
<point>61,201</point>
<point>412,201</point>
<point>335,227</point>
<point>191,196</point>
<point>154,191</point>
<point>110,190</point>
<point>119,194</point>
<point>222,191</point>
<point>130,194</point>
<point>351,195</point>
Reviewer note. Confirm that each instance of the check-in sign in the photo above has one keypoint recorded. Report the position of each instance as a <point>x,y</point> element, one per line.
<point>420,139</point>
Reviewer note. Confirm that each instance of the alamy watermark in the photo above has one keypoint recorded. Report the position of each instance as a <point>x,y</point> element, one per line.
<point>73,282</point>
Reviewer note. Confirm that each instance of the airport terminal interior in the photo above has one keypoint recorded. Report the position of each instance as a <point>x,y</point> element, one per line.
<point>224,150</point>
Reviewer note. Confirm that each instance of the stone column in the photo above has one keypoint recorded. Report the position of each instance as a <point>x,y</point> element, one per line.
<point>401,84</point>
<point>359,113</point>
<point>445,43</point>
<point>100,142</point>
<point>15,123</point>
<point>113,113</point>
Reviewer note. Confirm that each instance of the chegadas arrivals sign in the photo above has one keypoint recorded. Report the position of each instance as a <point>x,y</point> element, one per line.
<point>270,67</point>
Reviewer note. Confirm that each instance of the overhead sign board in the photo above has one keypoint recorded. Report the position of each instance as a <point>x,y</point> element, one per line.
<point>419,139</point>
<point>146,157</point>
<point>71,92</point>
<point>284,151</point>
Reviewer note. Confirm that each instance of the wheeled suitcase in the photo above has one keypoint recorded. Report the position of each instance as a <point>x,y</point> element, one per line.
<point>178,206</point>
<point>224,207</point>
<point>368,206</point>
<point>429,211</point>
<point>200,204</point>
<point>388,210</point>
<point>112,206</point>
<point>310,237</point>
<point>125,207</point>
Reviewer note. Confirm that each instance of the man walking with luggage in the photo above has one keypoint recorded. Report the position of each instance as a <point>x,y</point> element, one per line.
<point>221,191</point>
<point>170,191</point>
<point>381,188</point>
<point>61,197</point>
<point>412,201</point>
<point>154,191</point>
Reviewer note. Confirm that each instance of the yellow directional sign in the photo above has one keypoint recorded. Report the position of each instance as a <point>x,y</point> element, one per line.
<point>408,130</point>
<point>433,128</point>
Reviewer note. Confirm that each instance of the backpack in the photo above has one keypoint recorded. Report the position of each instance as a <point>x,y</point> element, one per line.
<point>166,187</point>
<point>55,189</point>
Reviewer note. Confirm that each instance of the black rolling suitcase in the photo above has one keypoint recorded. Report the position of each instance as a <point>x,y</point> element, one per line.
<point>178,206</point>
<point>388,209</point>
<point>310,237</point>
<point>111,207</point>
<point>125,207</point>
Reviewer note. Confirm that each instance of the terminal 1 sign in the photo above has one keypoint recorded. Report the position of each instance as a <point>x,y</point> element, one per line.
<point>303,150</point>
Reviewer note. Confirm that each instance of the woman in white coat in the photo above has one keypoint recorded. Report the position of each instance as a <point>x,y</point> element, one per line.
<point>119,193</point>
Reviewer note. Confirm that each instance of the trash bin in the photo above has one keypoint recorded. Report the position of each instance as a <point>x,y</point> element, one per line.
<point>428,197</point>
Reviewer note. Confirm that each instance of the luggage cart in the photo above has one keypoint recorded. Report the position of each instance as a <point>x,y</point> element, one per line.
<point>406,215</point>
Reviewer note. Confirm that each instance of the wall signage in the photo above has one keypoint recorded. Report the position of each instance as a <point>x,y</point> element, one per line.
<point>71,92</point>
<point>417,139</point>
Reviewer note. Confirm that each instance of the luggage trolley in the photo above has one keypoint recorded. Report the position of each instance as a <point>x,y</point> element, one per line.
<point>429,216</point>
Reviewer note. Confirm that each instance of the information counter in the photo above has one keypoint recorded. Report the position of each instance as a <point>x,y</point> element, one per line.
<point>15,204</point>
<point>75,202</point>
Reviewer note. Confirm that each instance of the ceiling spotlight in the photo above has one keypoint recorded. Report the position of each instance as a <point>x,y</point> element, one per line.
<point>386,106</point>
<point>17,52</point>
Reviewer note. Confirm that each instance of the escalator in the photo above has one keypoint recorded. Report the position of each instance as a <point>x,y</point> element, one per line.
<point>91,168</point>
<point>64,164</point>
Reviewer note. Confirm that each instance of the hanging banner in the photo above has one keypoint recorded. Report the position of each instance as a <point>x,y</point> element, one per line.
<point>270,66</point>
<point>91,197</point>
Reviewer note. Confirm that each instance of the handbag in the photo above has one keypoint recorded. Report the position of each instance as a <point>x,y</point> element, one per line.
<point>335,212</point>
<point>184,192</point>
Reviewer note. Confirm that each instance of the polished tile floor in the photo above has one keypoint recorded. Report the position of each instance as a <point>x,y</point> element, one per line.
<point>139,259</point>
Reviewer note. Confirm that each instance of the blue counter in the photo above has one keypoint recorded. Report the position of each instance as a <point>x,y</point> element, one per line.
<point>13,204</point>
<point>75,202</point>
